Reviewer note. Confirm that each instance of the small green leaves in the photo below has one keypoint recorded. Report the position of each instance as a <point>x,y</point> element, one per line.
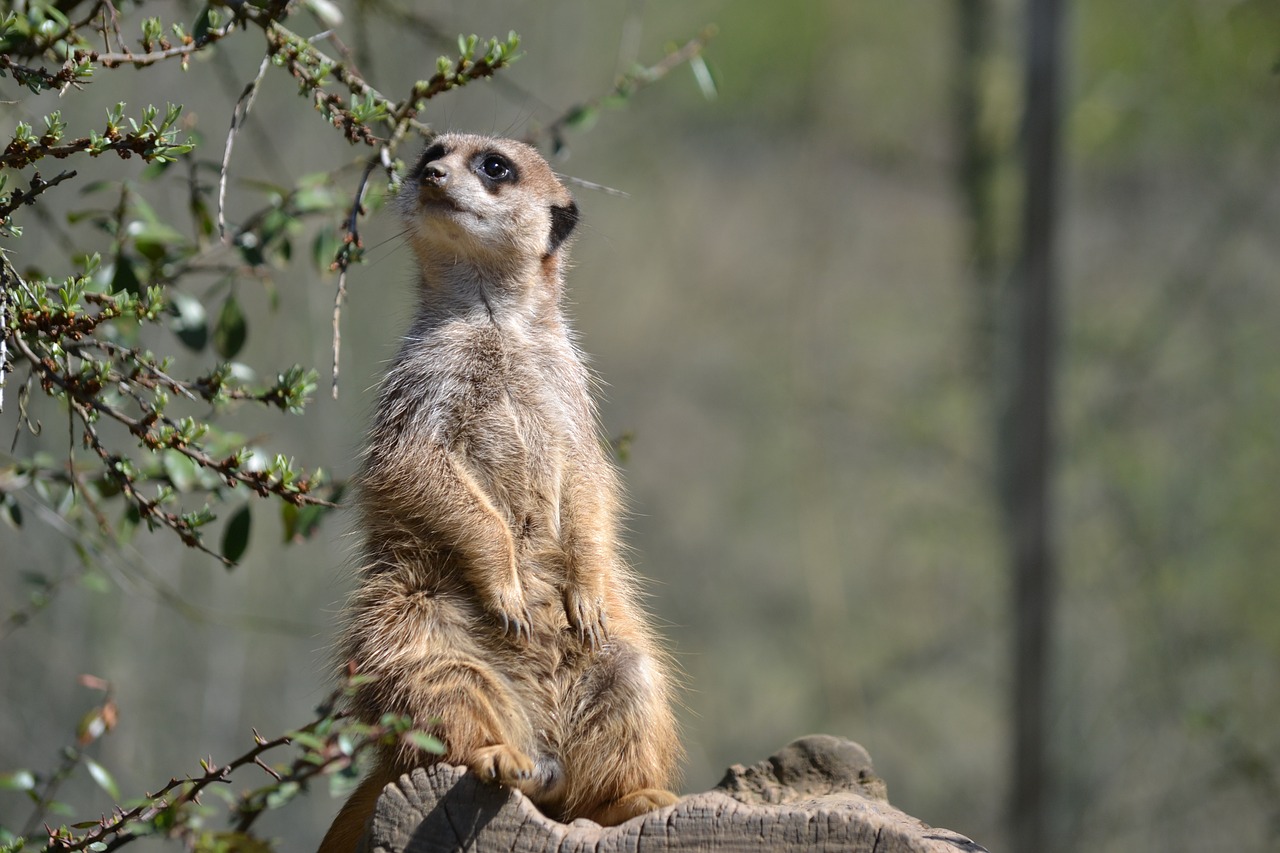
<point>370,109</point>
<point>152,32</point>
<point>235,539</point>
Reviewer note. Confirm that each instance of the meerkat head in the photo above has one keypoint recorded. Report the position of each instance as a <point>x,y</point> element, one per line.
<point>490,204</point>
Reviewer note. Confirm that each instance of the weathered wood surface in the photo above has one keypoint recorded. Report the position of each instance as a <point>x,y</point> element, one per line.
<point>818,793</point>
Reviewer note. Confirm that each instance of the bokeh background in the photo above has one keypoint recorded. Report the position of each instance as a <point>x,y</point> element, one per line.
<point>795,336</point>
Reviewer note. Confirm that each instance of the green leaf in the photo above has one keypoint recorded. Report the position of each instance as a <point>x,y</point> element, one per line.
<point>95,581</point>
<point>235,539</point>
<point>426,742</point>
<point>183,473</point>
<point>202,25</point>
<point>102,777</point>
<point>345,781</point>
<point>230,332</point>
<point>308,521</point>
<point>309,741</point>
<point>125,279</point>
<point>328,13</point>
<point>189,322</point>
<point>152,239</point>
<point>201,215</point>
<point>289,519</point>
<point>311,199</point>
<point>325,249</point>
<point>10,511</point>
<point>581,118</point>
<point>282,795</point>
<point>18,780</point>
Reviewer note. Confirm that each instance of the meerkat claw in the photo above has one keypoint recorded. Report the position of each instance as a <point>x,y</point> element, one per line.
<point>587,617</point>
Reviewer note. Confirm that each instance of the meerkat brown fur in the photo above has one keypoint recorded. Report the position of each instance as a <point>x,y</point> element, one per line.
<point>494,605</point>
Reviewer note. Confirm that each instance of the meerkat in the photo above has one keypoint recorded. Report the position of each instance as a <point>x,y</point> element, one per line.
<point>494,605</point>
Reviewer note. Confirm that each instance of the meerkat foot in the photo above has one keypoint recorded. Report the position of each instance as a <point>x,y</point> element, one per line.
<point>505,765</point>
<point>632,805</point>
<point>584,608</point>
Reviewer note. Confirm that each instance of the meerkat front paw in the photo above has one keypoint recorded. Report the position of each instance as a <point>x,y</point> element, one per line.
<point>507,603</point>
<point>584,608</point>
<point>504,765</point>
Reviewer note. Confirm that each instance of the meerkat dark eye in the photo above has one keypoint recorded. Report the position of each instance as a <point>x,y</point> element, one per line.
<point>497,168</point>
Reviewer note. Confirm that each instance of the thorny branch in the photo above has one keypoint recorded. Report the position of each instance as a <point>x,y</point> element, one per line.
<point>48,338</point>
<point>327,745</point>
<point>85,396</point>
<point>20,197</point>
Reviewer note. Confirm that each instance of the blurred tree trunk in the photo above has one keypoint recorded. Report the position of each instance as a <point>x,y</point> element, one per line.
<point>976,159</point>
<point>1025,452</point>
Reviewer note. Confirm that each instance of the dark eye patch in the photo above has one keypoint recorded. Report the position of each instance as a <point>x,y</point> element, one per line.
<point>494,168</point>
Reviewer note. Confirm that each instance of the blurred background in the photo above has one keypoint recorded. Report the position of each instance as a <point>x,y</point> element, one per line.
<point>795,312</point>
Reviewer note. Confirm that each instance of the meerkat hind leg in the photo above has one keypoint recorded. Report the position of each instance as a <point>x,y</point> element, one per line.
<point>621,751</point>
<point>482,724</point>
<point>632,805</point>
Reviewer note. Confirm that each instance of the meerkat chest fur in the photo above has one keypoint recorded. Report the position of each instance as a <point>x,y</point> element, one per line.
<point>488,371</point>
<point>509,404</point>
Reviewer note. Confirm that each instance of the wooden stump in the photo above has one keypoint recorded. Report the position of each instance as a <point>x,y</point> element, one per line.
<point>818,793</point>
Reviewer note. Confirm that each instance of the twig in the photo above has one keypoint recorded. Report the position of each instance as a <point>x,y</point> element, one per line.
<point>37,186</point>
<point>138,60</point>
<point>147,508</point>
<point>343,260</point>
<point>27,75</point>
<point>238,114</point>
<point>113,22</point>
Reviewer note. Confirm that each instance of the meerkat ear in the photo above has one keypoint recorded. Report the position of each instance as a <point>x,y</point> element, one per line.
<point>563,221</point>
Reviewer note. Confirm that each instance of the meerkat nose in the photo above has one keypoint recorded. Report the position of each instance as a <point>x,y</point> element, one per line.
<point>436,174</point>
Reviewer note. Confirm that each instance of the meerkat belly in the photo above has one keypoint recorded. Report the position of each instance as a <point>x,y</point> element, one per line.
<point>518,458</point>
